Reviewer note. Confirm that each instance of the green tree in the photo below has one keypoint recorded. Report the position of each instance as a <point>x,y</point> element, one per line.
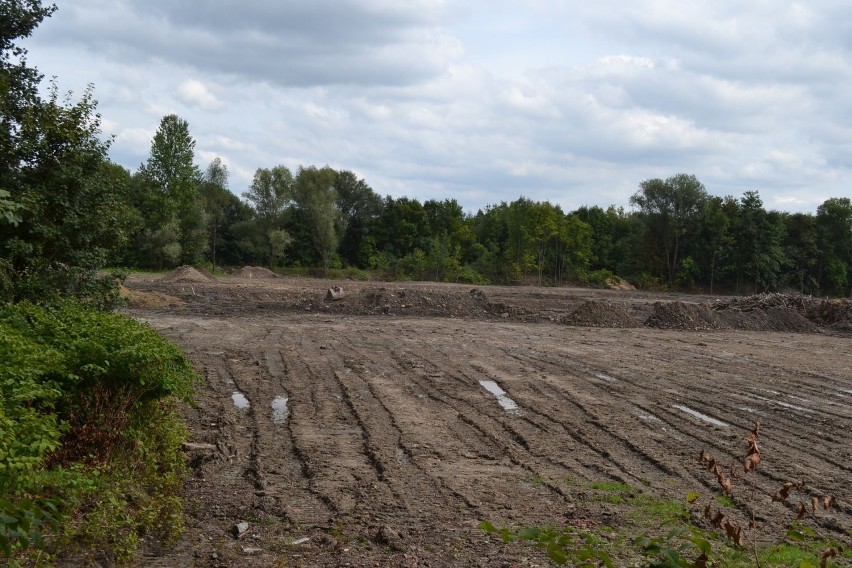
<point>801,247</point>
<point>19,83</point>
<point>270,192</point>
<point>64,208</point>
<point>216,199</point>
<point>359,206</point>
<point>315,196</point>
<point>402,227</point>
<point>834,217</point>
<point>715,239</point>
<point>758,252</point>
<point>172,189</point>
<point>671,208</point>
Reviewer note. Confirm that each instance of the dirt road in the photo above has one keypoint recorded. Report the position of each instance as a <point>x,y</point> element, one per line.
<point>369,435</point>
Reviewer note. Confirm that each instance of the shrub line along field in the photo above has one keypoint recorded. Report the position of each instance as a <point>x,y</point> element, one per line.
<point>364,431</point>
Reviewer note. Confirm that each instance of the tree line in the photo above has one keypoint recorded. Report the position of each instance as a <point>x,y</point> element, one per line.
<point>675,236</point>
<point>66,211</point>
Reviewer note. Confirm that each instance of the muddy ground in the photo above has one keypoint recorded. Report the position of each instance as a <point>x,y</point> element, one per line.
<point>365,431</point>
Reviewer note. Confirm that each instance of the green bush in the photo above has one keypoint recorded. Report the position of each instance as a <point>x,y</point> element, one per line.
<point>85,415</point>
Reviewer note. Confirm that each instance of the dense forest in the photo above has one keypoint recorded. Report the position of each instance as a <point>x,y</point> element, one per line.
<point>675,235</point>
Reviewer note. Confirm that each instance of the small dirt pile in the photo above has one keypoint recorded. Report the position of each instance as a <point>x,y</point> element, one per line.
<point>414,301</point>
<point>835,314</point>
<point>678,315</point>
<point>766,312</point>
<point>599,314</point>
<point>255,273</point>
<point>149,300</point>
<point>187,273</point>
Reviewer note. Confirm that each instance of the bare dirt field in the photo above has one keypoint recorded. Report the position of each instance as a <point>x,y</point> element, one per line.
<point>380,429</point>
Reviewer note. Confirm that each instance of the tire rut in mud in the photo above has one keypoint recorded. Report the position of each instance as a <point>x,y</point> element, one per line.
<point>390,430</point>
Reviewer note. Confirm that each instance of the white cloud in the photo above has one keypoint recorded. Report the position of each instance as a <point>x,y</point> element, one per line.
<point>572,102</point>
<point>196,93</point>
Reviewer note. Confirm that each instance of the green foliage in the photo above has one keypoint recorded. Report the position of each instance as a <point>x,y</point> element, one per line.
<point>167,189</point>
<point>315,194</point>
<point>84,426</point>
<point>270,192</point>
<point>562,545</point>
<point>9,210</point>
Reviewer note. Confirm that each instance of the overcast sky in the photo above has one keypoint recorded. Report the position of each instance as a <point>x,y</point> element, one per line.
<point>574,102</point>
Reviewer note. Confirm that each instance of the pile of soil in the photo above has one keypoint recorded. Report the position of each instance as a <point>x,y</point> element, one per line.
<point>599,314</point>
<point>767,319</point>
<point>399,301</point>
<point>255,273</point>
<point>187,273</point>
<point>679,315</point>
<point>766,312</point>
<point>149,300</point>
<point>836,314</point>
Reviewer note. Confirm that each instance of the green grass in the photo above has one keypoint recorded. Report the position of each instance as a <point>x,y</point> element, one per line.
<point>654,528</point>
<point>726,501</point>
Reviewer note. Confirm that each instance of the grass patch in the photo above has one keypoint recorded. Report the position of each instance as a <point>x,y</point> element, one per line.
<point>725,500</point>
<point>612,492</point>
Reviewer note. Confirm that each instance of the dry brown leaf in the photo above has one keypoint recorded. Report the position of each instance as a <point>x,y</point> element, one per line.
<point>814,502</point>
<point>701,561</point>
<point>726,483</point>
<point>829,553</point>
<point>827,502</point>
<point>707,512</point>
<point>783,493</point>
<point>735,473</point>
<point>802,511</point>
<point>717,520</point>
<point>735,533</point>
<point>751,462</point>
<point>711,464</point>
<point>705,456</point>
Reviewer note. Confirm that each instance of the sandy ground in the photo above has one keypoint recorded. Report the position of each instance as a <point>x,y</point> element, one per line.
<point>367,431</point>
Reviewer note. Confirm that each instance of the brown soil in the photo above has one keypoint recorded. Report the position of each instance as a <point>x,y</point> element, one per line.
<point>255,272</point>
<point>390,452</point>
<point>187,273</point>
<point>149,300</point>
<point>680,315</point>
<point>594,313</point>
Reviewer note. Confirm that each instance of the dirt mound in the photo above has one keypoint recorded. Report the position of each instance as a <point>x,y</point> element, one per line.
<point>599,314</point>
<point>149,300</point>
<point>187,273</point>
<point>836,314</point>
<point>678,315</point>
<point>413,301</point>
<point>768,319</point>
<point>255,273</point>
<point>621,284</point>
<point>767,312</point>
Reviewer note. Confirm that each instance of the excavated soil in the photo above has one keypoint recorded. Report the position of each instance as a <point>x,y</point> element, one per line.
<point>381,429</point>
<point>187,273</point>
<point>255,272</point>
<point>600,314</point>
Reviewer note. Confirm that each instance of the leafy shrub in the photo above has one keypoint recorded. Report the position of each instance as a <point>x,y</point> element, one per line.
<point>46,283</point>
<point>84,414</point>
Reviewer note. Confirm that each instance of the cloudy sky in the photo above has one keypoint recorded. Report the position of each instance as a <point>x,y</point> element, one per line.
<point>569,101</point>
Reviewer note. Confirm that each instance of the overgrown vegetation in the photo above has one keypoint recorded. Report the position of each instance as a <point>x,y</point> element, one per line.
<point>89,440</point>
<point>687,534</point>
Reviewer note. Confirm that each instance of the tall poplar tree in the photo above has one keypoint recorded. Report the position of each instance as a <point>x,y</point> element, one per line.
<point>172,182</point>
